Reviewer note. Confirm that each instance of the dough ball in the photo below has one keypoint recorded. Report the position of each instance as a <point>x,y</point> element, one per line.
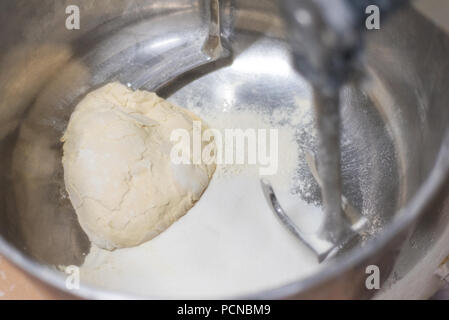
<point>117,167</point>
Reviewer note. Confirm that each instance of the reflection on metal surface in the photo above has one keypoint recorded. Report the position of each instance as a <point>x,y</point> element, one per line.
<point>379,127</point>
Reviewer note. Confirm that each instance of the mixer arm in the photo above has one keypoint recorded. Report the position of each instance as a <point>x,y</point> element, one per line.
<point>326,40</point>
<point>326,36</point>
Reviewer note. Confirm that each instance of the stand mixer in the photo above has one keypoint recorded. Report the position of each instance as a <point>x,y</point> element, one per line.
<point>392,135</point>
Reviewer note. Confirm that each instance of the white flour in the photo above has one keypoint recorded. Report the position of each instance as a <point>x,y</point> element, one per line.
<point>229,243</point>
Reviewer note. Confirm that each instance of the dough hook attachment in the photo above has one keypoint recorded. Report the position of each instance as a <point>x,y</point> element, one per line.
<point>322,247</point>
<point>326,40</point>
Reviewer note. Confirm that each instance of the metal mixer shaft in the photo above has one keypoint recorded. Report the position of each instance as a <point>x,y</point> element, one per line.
<point>326,41</point>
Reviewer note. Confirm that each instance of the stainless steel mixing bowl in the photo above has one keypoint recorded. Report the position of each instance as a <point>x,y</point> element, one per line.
<point>395,144</point>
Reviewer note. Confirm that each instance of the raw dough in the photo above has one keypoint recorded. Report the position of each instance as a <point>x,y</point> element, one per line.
<point>117,167</point>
